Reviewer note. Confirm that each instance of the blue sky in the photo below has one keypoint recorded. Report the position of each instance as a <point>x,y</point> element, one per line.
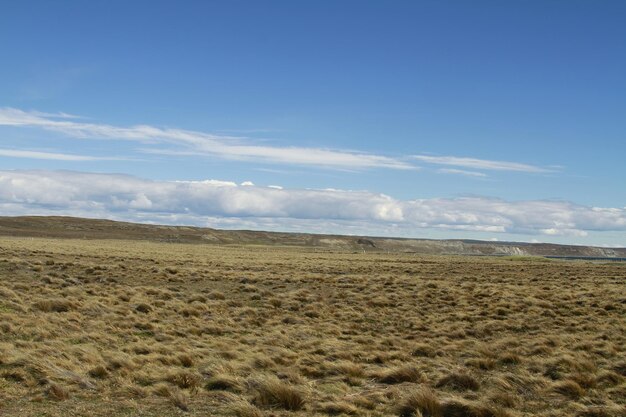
<point>445,119</point>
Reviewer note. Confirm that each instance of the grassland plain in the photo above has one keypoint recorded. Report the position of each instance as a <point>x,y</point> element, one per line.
<point>130,328</point>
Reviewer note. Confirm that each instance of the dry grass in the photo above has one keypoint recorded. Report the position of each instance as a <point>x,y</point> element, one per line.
<point>116,328</point>
<point>273,393</point>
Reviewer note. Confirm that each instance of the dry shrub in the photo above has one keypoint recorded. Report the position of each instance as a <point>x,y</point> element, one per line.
<point>459,381</point>
<point>401,374</point>
<point>273,393</point>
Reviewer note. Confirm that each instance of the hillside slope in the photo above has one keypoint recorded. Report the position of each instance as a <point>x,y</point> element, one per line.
<point>79,228</point>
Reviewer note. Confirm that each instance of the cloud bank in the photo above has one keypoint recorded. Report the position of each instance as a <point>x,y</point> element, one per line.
<point>247,205</point>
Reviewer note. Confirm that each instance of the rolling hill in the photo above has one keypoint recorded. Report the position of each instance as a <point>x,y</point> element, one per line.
<point>80,228</point>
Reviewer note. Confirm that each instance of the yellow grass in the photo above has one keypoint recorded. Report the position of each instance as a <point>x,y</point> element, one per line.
<point>121,328</point>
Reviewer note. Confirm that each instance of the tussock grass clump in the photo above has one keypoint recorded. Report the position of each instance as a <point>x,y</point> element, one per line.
<point>99,372</point>
<point>273,393</point>
<point>245,409</point>
<point>462,408</point>
<point>54,305</point>
<point>58,392</point>
<point>184,379</point>
<point>620,368</point>
<point>425,403</point>
<point>223,383</point>
<point>216,295</point>
<point>407,373</point>
<point>609,378</point>
<point>459,381</point>
<point>602,411</point>
<point>509,359</point>
<point>337,408</point>
<point>173,394</point>
<point>186,360</point>
<point>585,380</point>
<point>484,364</point>
<point>15,375</point>
<point>162,390</point>
<point>420,403</point>
<point>568,388</point>
<point>8,294</point>
<point>424,350</point>
<point>179,399</point>
<point>143,308</point>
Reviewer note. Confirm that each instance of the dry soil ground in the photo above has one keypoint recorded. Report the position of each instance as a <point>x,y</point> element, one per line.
<point>121,328</point>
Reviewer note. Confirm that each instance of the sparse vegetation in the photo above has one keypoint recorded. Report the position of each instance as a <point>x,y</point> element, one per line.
<point>114,328</point>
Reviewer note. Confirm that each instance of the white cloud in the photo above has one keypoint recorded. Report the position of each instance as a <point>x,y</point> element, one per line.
<point>480,164</point>
<point>202,202</point>
<point>462,172</point>
<point>14,153</point>
<point>192,143</point>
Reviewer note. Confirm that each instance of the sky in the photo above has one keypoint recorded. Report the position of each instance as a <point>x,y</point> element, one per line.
<point>429,119</point>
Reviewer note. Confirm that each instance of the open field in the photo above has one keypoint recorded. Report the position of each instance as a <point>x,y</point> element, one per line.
<point>125,328</point>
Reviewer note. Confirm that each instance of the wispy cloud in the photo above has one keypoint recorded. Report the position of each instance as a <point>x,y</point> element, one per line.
<point>185,142</point>
<point>13,153</point>
<point>485,164</point>
<point>462,172</point>
<point>196,202</point>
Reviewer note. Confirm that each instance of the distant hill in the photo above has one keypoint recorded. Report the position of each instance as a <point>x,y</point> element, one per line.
<point>79,228</point>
